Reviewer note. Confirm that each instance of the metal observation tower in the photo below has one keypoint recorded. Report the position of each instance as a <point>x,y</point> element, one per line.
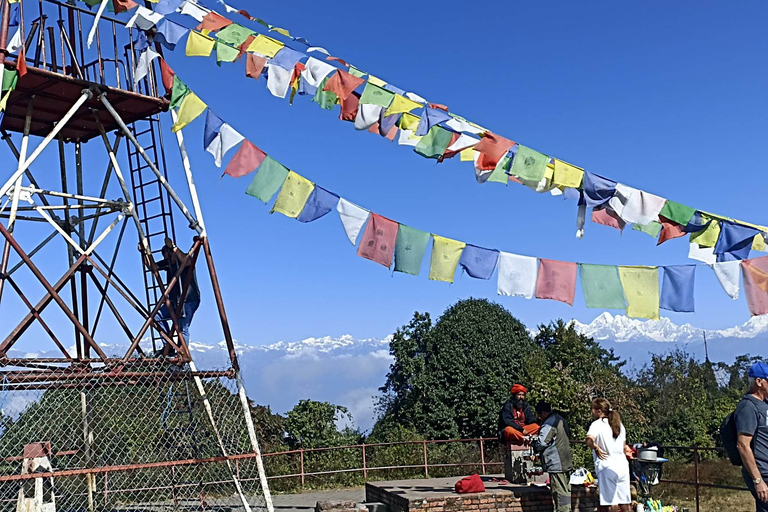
<point>101,404</point>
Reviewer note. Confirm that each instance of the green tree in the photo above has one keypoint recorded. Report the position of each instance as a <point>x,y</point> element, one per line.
<point>450,379</point>
<point>312,424</point>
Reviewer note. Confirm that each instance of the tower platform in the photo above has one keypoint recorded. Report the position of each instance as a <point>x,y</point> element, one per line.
<point>56,93</point>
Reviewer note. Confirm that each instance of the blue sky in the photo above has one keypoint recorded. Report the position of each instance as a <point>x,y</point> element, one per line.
<point>667,97</point>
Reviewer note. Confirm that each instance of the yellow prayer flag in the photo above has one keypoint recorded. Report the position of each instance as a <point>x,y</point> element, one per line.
<point>199,45</point>
<point>758,244</point>
<point>376,81</point>
<point>293,196</point>
<point>401,104</point>
<point>467,155</point>
<point>409,122</point>
<point>4,101</point>
<point>641,288</point>
<point>445,258</point>
<point>549,172</point>
<point>191,107</point>
<point>707,237</point>
<point>265,46</point>
<point>280,31</point>
<point>567,175</point>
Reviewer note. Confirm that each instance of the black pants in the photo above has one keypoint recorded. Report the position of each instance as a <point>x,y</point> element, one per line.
<point>761,506</point>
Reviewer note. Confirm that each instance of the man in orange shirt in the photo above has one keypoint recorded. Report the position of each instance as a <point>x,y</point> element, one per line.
<point>516,420</point>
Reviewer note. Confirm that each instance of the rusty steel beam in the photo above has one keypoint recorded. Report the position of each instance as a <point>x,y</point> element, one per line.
<point>220,306</point>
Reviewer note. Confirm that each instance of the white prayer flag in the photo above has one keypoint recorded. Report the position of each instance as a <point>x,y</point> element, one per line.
<point>352,218</point>
<point>517,275</point>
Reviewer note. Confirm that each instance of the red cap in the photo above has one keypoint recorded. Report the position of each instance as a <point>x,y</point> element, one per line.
<point>517,388</point>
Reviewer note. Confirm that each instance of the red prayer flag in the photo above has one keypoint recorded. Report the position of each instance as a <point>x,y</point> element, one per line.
<point>167,75</point>
<point>246,44</point>
<point>492,148</point>
<point>438,106</point>
<point>247,159</point>
<point>669,230</point>
<point>213,22</point>
<point>608,217</point>
<point>556,281</point>
<point>391,134</point>
<point>756,284</point>
<point>342,83</point>
<point>21,62</point>
<point>378,242</point>
<point>254,65</point>
<point>336,59</point>
<point>450,154</point>
<point>349,108</point>
<point>245,13</point>
<point>123,5</point>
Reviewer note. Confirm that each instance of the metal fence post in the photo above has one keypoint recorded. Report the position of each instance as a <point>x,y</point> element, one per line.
<point>365,467</point>
<point>482,456</point>
<point>426,464</point>
<point>301,459</point>
<point>696,469</point>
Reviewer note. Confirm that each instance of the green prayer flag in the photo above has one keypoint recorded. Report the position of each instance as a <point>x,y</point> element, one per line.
<point>529,164</point>
<point>9,79</point>
<point>375,95</point>
<point>356,72</point>
<point>268,180</point>
<point>179,91</point>
<point>434,143</point>
<point>677,212</point>
<point>225,53</point>
<point>601,286</point>
<point>410,247</point>
<point>499,174</point>
<point>234,34</point>
<point>652,229</point>
<point>326,99</point>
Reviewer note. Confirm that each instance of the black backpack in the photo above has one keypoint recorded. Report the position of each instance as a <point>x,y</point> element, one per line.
<point>729,437</point>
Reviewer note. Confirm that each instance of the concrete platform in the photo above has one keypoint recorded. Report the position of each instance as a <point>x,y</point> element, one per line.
<point>437,495</point>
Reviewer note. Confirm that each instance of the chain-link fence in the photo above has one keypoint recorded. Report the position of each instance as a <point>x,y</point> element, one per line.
<point>150,437</point>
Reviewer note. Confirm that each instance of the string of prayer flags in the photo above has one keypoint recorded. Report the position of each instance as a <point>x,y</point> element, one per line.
<point>268,179</point>
<point>293,195</point>
<point>378,242</point>
<point>319,203</point>
<point>636,206</point>
<point>411,244</point>
<point>677,288</point>
<point>434,143</point>
<point>352,218</point>
<point>529,164</point>
<point>247,159</point>
<point>219,137</point>
<point>735,241</point>
<point>556,281</point>
<point>517,275</point>
<point>199,45</point>
<point>602,286</point>
<point>445,258</point>
<point>727,273</point>
<point>191,107</point>
<point>756,284</point>
<point>641,288</point>
<point>479,262</point>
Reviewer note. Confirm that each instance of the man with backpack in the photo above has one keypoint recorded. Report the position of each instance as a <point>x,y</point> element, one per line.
<point>751,421</point>
<point>554,446</point>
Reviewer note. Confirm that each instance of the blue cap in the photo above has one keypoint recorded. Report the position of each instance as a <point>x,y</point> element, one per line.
<point>759,370</point>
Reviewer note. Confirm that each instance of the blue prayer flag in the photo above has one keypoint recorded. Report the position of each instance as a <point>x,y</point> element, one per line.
<point>213,124</point>
<point>677,288</point>
<point>169,33</point>
<point>286,58</point>
<point>734,242</point>
<point>429,118</point>
<point>319,203</point>
<point>14,20</point>
<point>597,190</point>
<point>479,262</point>
<point>167,6</point>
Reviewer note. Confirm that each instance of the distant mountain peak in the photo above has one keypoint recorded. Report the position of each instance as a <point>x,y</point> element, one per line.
<point>621,328</point>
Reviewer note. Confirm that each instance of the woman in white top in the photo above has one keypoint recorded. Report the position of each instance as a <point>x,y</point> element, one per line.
<point>607,438</point>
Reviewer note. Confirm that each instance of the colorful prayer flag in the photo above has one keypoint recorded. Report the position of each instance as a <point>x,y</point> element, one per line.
<point>254,65</point>
<point>430,117</point>
<point>169,34</point>
<point>378,242</point>
<point>315,71</point>
<point>677,288</point>
<point>352,218</point>
<point>411,244</point>
<point>479,262</point>
<point>367,115</point>
<point>607,217</point>
<point>434,143</point>
<point>247,159</point>
<point>756,284</point>
<point>342,83</point>
<point>401,105</point>
<point>517,275</point>
<point>735,241</point>
<point>669,230</point>
<point>727,273</point>
<point>265,45</point>
<point>499,174</point>
<point>278,80</point>
<point>445,258</point>
<point>375,95</point>
<point>641,288</point>
<point>319,203</point>
<point>708,235</point>
<point>677,212</point>
<point>287,58</point>
<point>556,281</point>
<point>225,53</point>
<point>144,19</point>
<point>234,35</point>
<point>703,254</point>
<point>268,179</point>
<point>179,92</point>
<point>653,229</point>
<point>293,195</point>
<point>191,107</point>
<point>528,164</point>
<point>492,148</point>
<point>597,190</point>
<point>213,22</point>
<point>636,206</point>
<point>199,45</point>
<point>567,175</point>
<point>602,287</point>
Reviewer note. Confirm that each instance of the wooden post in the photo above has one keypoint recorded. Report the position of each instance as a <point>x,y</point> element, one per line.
<point>482,456</point>
<point>426,464</point>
